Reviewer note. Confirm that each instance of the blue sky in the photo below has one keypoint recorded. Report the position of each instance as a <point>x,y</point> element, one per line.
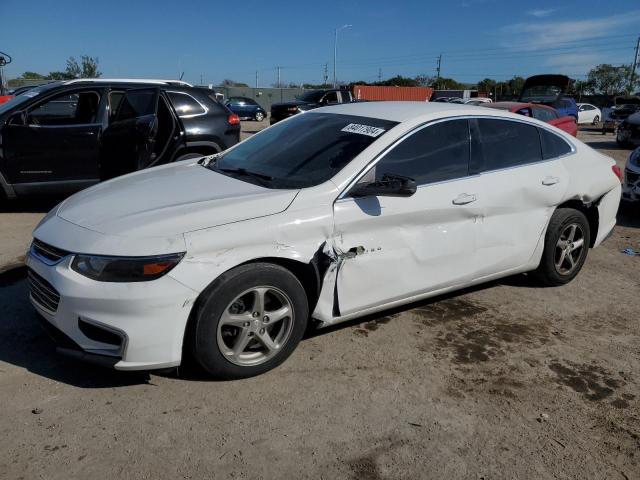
<point>216,40</point>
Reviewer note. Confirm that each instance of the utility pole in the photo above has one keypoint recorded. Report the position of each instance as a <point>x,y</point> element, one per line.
<point>256,78</point>
<point>379,74</point>
<point>438,76</point>
<point>201,80</point>
<point>632,75</point>
<point>279,84</point>
<point>335,54</point>
<point>325,75</point>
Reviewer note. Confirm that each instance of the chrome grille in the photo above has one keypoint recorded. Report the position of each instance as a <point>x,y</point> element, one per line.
<point>631,177</point>
<point>47,252</point>
<point>42,292</point>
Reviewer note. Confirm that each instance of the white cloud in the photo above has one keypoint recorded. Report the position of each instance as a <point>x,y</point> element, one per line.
<point>541,12</point>
<point>547,34</point>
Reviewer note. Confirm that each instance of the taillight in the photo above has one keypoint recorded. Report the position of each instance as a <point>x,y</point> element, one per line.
<point>233,119</point>
<point>617,171</point>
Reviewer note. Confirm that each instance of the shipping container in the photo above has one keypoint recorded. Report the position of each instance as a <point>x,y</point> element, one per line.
<point>413,94</point>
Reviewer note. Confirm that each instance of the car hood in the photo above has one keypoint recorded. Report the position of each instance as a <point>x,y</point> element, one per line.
<point>171,200</point>
<point>544,88</point>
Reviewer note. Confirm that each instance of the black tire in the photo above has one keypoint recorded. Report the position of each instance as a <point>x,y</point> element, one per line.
<point>217,299</point>
<point>188,156</point>
<point>548,272</point>
<point>259,116</point>
<point>596,120</point>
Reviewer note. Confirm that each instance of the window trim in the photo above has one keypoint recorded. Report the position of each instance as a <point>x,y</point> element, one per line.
<point>191,115</point>
<point>343,194</point>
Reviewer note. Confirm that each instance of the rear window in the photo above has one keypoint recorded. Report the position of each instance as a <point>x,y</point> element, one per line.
<point>302,152</point>
<point>553,145</point>
<point>501,144</point>
<point>185,105</point>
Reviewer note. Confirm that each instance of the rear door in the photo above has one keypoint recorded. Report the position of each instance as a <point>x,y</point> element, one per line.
<point>143,132</point>
<point>57,141</point>
<point>520,186</point>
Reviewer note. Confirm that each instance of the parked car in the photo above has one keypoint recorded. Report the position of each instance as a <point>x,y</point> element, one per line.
<point>308,101</point>
<point>65,136</point>
<point>318,218</point>
<point>588,114</point>
<point>618,114</point>
<point>628,132</point>
<point>477,101</point>
<point>550,90</point>
<point>539,112</point>
<point>246,108</point>
<point>631,185</point>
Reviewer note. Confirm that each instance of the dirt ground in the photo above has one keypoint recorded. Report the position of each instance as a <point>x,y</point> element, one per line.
<point>502,381</point>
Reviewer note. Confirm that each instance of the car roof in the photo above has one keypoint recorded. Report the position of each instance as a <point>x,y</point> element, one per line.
<point>403,111</point>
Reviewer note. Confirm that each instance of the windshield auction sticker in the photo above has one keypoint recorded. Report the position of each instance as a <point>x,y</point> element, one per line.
<point>363,130</point>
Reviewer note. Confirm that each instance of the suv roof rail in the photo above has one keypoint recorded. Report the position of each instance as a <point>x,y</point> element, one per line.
<point>130,80</point>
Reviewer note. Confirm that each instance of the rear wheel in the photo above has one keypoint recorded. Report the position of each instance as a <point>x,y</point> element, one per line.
<point>249,322</point>
<point>565,247</point>
<point>259,116</point>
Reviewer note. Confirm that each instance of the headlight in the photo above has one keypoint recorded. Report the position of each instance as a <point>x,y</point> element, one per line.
<point>124,269</point>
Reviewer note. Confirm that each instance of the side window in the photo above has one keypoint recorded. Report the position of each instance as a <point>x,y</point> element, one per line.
<point>185,105</point>
<point>346,96</point>
<point>553,145</point>
<point>543,114</point>
<point>331,97</point>
<point>504,143</point>
<point>75,108</point>
<point>434,154</point>
<point>115,99</point>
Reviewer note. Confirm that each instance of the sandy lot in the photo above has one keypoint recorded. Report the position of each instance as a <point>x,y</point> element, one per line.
<point>502,381</point>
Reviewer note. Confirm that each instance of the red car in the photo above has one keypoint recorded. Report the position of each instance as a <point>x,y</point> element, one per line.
<point>539,112</point>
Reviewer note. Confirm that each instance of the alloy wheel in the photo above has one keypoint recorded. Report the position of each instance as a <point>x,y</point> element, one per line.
<point>255,326</point>
<point>569,249</point>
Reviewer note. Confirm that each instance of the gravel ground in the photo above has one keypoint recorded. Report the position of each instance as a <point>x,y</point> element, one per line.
<point>501,381</point>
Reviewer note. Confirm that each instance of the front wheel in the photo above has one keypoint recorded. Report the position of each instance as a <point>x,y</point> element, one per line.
<point>596,120</point>
<point>566,246</point>
<point>249,321</point>
<point>259,116</point>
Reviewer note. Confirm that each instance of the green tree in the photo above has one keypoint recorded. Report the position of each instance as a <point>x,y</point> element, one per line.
<point>425,80</point>
<point>449,84</point>
<point>59,76</point>
<point>232,83</point>
<point>398,81</point>
<point>87,68</point>
<point>486,85</point>
<point>33,76</point>
<point>608,79</point>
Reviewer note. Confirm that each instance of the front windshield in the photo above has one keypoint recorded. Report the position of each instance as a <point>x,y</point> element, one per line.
<point>313,96</point>
<point>24,96</point>
<point>14,102</point>
<point>302,152</point>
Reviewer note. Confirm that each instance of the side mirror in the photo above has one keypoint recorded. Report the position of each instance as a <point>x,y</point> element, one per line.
<point>390,185</point>
<point>18,118</point>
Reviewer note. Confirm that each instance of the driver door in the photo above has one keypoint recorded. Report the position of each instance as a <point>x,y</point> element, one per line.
<point>392,248</point>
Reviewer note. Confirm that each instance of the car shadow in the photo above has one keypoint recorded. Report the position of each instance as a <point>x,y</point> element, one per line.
<point>24,343</point>
<point>628,215</point>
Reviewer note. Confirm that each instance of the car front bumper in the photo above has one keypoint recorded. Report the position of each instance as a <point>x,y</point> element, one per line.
<point>129,326</point>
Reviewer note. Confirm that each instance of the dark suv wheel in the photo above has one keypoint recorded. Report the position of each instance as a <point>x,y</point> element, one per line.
<point>249,321</point>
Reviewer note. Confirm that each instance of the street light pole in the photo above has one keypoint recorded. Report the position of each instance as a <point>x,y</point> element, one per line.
<point>335,54</point>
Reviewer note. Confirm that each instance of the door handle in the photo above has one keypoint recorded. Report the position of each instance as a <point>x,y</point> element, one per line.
<point>548,181</point>
<point>464,199</point>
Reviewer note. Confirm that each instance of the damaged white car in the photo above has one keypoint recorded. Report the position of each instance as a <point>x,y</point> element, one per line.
<point>324,217</point>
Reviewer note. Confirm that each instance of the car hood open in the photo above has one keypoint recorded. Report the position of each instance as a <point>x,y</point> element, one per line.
<point>546,89</point>
<point>171,200</point>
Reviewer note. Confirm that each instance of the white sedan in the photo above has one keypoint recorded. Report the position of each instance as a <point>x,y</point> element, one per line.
<point>588,113</point>
<point>325,217</point>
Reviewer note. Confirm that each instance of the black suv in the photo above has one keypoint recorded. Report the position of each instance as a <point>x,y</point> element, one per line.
<point>308,101</point>
<point>64,136</point>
